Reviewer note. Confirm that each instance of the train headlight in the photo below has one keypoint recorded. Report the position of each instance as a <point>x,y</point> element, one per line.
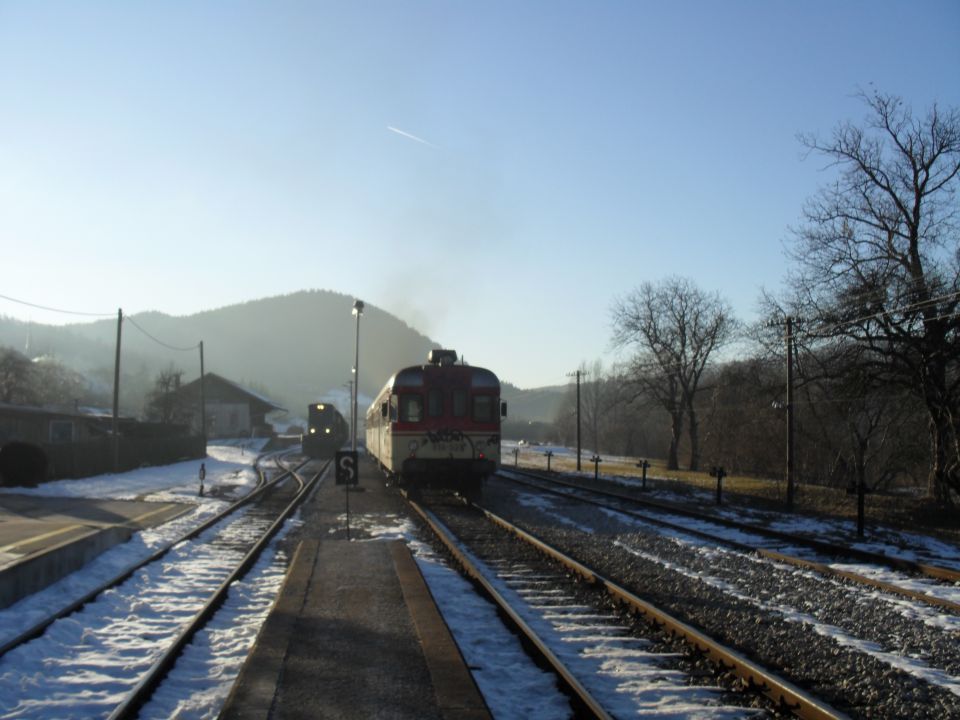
<point>327,430</point>
<point>413,445</point>
<point>313,431</point>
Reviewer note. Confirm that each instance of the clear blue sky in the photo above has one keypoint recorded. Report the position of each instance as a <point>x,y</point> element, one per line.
<point>180,156</point>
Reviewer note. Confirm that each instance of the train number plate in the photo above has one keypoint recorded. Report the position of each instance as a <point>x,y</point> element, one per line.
<point>446,447</point>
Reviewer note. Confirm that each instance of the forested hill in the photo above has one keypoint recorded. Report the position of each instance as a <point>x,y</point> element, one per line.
<point>293,348</point>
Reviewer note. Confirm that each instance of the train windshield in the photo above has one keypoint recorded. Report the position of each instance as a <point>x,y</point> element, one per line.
<point>411,408</point>
<point>459,403</point>
<point>435,402</point>
<point>483,408</point>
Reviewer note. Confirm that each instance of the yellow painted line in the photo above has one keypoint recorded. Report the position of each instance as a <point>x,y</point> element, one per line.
<point>71,528</point>
<point>44,536</point>
<point>157,511</point>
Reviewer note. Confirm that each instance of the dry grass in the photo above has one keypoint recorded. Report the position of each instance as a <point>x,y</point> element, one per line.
<point>900,511</point>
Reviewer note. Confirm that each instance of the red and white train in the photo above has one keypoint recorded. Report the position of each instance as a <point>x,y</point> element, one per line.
<point>438,425</point>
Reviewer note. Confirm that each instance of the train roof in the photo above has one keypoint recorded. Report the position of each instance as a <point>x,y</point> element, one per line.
<point>443,362</point>
<point>415,375</point>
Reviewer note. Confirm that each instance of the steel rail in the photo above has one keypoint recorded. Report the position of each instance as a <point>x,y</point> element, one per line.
<point>142,691</point>
<point>781,691</point>
<point>774,555</point>
<point>293,472</point>
<point>932,571</point>
<point>37,629</point>
<point>580,694</point>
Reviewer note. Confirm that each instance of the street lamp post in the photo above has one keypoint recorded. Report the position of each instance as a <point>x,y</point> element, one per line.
<point>358,311</point>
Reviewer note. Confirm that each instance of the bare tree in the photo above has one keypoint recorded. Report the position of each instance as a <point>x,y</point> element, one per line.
<point>165,403</point>
<point>878,261</point>
<point>16,372</point>
<point>593,402</point>
<point>675,327</point>
<point>744,430</point>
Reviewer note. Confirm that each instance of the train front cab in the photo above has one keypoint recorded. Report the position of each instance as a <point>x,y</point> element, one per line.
<point>326,431</point>
<point>443,425</point>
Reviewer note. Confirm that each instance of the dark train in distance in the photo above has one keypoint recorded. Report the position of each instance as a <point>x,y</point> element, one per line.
<point>438,425</point>
<point>326,431</point>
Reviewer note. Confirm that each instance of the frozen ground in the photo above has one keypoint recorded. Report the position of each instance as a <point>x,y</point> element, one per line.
<point>223,647</point>
<point>200,685</point>
<point>915,547</point>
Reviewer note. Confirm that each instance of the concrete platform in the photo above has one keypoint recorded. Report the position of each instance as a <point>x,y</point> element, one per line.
<point>355,632</point>
<point>42,539</point>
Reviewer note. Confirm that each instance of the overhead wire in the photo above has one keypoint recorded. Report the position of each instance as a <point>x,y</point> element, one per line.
<point>103,315</point>
<point>57,310</point>
<point>827,330</point>
<point>919,305</point>
<point>160,342</point>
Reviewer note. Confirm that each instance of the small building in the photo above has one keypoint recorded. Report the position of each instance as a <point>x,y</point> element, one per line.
<point>45,426</point>
<point>231,410</point>
<point>80,443</point>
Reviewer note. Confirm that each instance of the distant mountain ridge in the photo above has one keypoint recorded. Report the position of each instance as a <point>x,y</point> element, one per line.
<point>293,348</point>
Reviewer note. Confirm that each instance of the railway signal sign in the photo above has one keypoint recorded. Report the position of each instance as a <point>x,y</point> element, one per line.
<point>346,462</point>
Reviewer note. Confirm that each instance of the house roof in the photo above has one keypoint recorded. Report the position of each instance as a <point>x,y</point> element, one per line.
<point>255,398</point>
<point>83,413</point>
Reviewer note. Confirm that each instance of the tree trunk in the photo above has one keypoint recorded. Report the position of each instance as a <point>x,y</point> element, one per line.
<point>694,438</point>
<point>676,429</point>
<point>944,479</point>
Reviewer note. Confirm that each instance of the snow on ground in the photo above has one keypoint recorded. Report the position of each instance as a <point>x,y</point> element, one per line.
<point>633,680</point>
<point>914,666</point>
<point>511,685</point>
<point>914,547</point>
<point>228,468</point>
<point>225,465</point>
<point>200,682</point>
<point>214,658</point>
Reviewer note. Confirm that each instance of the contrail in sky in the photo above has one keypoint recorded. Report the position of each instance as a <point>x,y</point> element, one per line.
<point>412,137</point>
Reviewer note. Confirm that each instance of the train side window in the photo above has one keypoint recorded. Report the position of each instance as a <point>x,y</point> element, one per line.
<point>459,402</point>
<point>411,408</point>
<point>435,402</point>
<point>483,408</point>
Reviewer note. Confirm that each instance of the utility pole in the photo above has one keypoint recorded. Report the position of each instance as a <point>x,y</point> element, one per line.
<point>578,374</point>
<point>203,404</point>
<point>790,474</point>
<point>115,427</point>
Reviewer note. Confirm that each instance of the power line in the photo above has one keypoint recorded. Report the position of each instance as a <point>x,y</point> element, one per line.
<point>53,309</point>
<point>160,342</point>
<point>920,305</point>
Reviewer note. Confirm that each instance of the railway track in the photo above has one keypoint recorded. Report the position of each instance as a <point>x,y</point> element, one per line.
<point>106,654</point>
<point>862,652</point>
<point>604,667</point>
<point>775,545</point>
